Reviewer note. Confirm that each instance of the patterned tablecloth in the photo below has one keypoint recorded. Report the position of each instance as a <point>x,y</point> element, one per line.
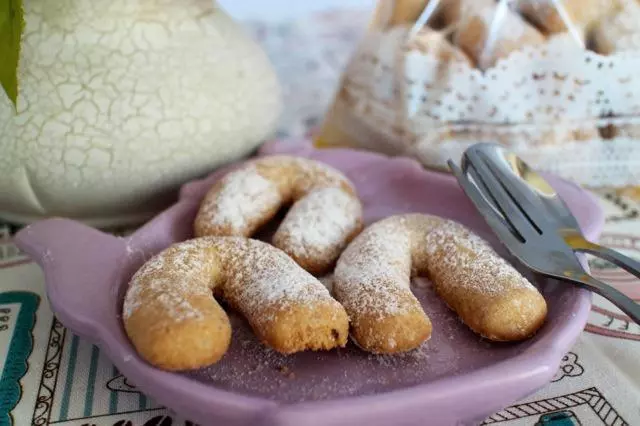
<point>50,376</point>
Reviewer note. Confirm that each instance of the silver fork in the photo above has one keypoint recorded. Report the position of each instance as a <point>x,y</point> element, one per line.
<point>533,222</point>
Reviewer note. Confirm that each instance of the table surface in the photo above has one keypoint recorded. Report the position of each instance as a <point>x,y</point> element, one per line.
<point>50,376</point>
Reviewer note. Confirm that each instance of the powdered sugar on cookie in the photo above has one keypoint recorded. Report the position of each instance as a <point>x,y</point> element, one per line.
<point>261,275</point>
<point>244,195</point>
<point>372,281</point>
<point>256,274</point>
<point>481,270</point>
<point>325,214</point>
<point>316,224</point>
<point>168,280</point>
<point>173,320</point>
<point>377,261</point>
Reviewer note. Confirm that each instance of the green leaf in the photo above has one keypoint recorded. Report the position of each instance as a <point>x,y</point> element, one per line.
<point>11,26</point>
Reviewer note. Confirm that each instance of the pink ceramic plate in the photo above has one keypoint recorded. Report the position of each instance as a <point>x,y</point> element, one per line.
<point>456,378</point>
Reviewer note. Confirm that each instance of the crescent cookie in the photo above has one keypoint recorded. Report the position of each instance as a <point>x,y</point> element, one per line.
<point>325,216</point>
<point>372,281</point>
<point>556,16</point>
<point>489,32</point>
<point>434,43</point>
<point>175,323</point>
<point>406,11</point>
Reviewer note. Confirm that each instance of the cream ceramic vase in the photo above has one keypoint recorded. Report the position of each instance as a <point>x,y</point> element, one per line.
<point>121,101</point>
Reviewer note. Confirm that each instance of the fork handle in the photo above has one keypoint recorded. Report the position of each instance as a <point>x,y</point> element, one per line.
<point>626,304</point>
<point>630,265</point>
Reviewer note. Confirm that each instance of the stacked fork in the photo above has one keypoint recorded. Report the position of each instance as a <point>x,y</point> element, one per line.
<point>534,223</point>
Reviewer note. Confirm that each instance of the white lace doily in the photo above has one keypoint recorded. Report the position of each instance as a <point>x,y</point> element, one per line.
<point>564,88</point>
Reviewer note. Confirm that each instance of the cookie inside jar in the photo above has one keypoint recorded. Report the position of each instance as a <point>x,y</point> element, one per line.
<point>549,79</point>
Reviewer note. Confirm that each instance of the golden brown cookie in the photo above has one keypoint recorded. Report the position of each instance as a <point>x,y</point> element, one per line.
<point>438,14</point>
<point>452,11</point>
<point>372,281</point>
<point>326,212</point>
<point>175,323</point>
<point>556,16</point>
<point>406,11</point>
<point>488,32</point>
<point>434,43</point>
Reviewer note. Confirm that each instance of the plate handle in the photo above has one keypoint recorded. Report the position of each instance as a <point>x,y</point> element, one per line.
<point>79,266</point>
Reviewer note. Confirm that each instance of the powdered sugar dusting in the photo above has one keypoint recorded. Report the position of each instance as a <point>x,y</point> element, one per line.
<point>318,224</point>
<point>169,280</point>
<point>309,174</point>
<point>244,196</point>
<point>380,260</point>
<point>373,265</point>
<point>476,266</point>
<point>247,197</point>
<point>261,276</point>
<point>253,275</point>
<point>251,368</point>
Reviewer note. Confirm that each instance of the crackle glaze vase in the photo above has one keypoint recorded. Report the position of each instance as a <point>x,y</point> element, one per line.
<point>121,101</point>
